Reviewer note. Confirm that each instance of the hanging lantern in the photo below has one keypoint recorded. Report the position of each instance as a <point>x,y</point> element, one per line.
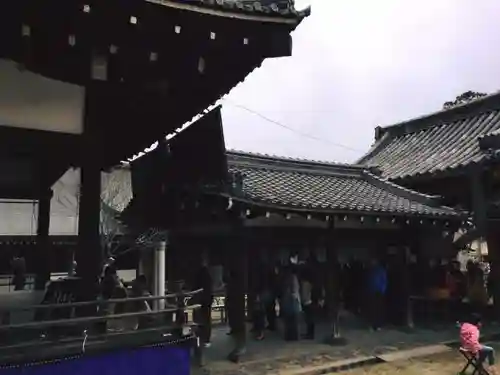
<point>201,65</point>
<point>99,68</point>
<point>247,213</point>
<point>26,30</point>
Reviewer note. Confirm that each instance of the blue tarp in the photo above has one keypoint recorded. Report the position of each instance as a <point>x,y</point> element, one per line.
<point>164,360</point>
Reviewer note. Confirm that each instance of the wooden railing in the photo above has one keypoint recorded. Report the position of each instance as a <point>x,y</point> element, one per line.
<point>7,280</point>
<point>87,330</point>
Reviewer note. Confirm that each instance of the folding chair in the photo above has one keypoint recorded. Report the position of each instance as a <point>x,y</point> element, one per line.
<point>473,361</point>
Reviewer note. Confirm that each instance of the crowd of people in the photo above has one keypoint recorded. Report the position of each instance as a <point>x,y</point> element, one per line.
<point>293,293</point>
<point>112,287</point>
<point>449,281</point>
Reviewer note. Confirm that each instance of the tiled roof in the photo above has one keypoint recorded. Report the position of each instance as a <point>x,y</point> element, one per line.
<point>276,8</point>
<point>326,187</point>
<point>441,142</point>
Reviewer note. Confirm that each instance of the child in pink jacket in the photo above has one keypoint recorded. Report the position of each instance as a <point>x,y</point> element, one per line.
<point>469,337</point>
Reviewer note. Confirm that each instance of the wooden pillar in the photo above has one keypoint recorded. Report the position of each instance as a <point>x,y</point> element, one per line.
<point>146,267</point>
<point>333,287</point>
<point>237,288</point>
<point>493,241</point>
<point>252,279</point>
<point>488,230</point>
<point>398,307</point>
<point>89,255</point>
<point>478,199</point>
<point>406,281</point>
<point>174,264</point>
<point>43,252</point>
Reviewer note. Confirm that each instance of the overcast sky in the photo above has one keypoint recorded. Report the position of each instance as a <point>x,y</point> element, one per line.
<point>357,64</point>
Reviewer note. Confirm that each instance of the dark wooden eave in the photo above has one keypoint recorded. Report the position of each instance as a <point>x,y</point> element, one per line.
<point>154,79</point>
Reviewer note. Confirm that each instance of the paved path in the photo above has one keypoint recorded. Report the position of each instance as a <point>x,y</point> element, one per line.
<point>444,363</point>
<point>275,356</point>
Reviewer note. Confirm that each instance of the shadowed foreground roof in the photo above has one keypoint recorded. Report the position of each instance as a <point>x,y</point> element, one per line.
<point>443,142</point>
<point>263,8</point>
<point>311,186</point>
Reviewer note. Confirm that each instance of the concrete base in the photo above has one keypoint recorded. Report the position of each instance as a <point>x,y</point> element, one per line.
<point>336,341</point>
<point>19,300</point>
<point>403,355</point>
<point>236,355</point>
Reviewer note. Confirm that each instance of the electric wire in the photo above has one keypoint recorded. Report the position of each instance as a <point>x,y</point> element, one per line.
<point>280,124</point>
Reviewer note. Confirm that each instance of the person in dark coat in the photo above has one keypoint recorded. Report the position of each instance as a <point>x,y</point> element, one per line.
<point>268,294</point>
<point>377,288</point>
<point>19,272</point>
<point>109,282</point>
<point>264,307</point>
<point>227,285</point>
<point>291,303</point>
<point>203,315</point>
<point>308,303</point>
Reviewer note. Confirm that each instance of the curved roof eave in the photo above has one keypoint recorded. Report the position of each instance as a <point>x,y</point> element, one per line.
<point>291,18</point>
<point>452,215</point>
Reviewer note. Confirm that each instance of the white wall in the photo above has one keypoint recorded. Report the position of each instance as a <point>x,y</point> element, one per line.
<point>31,101</point>
<point>20,219</point>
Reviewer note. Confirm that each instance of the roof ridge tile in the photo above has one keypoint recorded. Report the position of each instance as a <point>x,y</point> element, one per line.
<point>442,117</point>
<point>431,200</point>
<point>236,152</point>
<point>276,7</point>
